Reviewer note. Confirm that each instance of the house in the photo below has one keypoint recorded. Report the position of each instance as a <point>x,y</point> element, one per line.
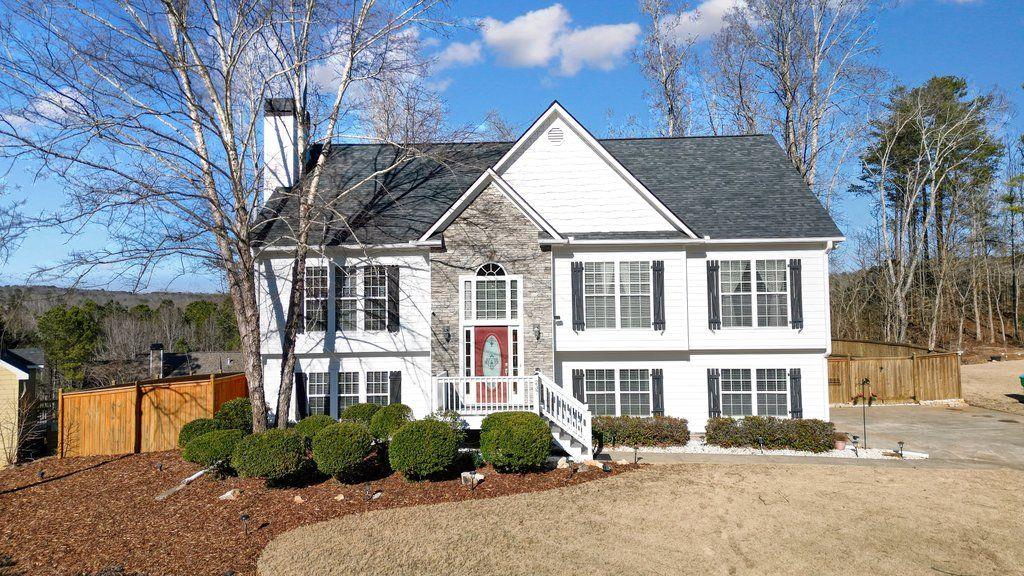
<point>19,375</point>
<point>163,364</point>
<point>559,273</point>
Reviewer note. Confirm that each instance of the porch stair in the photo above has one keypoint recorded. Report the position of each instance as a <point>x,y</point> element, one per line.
<point>568,418</point>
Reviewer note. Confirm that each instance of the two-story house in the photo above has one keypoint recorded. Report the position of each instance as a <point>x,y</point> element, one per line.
<point>559,273</point>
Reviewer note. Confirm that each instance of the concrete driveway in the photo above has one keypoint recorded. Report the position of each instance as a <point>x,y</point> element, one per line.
<point>960,437</point>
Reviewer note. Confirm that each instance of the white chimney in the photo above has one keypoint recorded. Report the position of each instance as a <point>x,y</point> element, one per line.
<point>280,145</point>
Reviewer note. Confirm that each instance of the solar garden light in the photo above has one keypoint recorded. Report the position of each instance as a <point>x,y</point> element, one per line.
<point>245,522</point>
<point>856,440</point>
<point>900,451</point>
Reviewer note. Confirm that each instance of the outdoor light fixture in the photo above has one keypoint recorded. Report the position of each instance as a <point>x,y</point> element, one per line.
<point>446,333</point>
<point>856,440</point>
<point>536,331</point>
<point>900,444</point>
<point>245,522</point>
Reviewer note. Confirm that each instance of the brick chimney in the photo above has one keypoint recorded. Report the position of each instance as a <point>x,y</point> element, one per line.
<point>156,360</point>
<point>280,145</point>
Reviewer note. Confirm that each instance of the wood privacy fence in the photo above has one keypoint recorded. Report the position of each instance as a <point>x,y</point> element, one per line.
<point>897,372</point>
<point>143,417</point>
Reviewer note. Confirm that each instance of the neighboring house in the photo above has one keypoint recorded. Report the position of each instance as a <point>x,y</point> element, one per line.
<point>560,273</point>
<point>19,374</point>
<point>167,364</point>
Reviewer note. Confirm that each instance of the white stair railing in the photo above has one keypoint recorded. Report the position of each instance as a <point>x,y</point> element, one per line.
<point>564,411</point>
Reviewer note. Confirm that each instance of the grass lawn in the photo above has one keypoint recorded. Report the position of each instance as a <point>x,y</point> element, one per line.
<point>691,519</point>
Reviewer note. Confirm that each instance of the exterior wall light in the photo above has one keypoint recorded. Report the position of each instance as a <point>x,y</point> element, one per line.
<point>536,331</point>
<point>446,333</point>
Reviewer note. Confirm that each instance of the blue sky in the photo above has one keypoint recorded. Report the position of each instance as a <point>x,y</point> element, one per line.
<point>577,52</point>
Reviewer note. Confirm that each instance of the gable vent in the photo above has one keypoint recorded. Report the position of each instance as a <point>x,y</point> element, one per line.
<point>555,136</point>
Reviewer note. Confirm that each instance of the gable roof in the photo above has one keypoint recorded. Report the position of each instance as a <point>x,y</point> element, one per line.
<point>728,187</point>
<point>16,364</point>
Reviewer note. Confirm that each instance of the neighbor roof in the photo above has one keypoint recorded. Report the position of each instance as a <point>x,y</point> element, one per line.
<point>731,187</point>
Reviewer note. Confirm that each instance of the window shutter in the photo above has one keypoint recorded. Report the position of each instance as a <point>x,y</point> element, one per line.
<point>796,400</point>
<point>301,405</point>
<point>714,298</point>
<point>393,318</point>
<point>301,327</point>
<point>577,385</point>
<point>395,387</point>
<point>577,296</point>
<point>796,295</point>
<point>714,405</point>
<point>658,391</point>
<point>658,267</point>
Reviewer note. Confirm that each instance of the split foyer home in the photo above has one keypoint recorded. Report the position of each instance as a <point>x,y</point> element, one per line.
<point>560,273</point>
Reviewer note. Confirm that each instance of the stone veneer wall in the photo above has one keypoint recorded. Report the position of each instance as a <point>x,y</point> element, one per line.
<point>491,229</point>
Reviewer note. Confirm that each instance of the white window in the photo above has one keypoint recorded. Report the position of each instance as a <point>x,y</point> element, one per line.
<point>600,391</point>
<point>599,294</point>
<point>514,360</point>
<point>345,298</point>
<point>635,294</point>
<point>315,299</point>
<point>378,388</point>
<point>736,390</point>
<point>318,387</point>
<point>772,293</point>
<point>491,300</point>
<point>771,392</point>
<point>635,392</point>
<point>490,295</point>
<point>375,298</point>
<point>735,289</point>
<point>348,390</point>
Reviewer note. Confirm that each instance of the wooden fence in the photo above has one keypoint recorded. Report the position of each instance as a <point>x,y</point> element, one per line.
<point>143,417</point>
<point>897,372</point>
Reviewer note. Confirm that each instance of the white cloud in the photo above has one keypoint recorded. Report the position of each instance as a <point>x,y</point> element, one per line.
<point>540,37</point>
<point>459,54</point>
<point>599,46</point>
<point>705,20</point>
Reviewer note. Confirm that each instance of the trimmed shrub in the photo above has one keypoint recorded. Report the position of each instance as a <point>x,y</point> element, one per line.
<point>276,455</point>
<point>773,433</point>
<point>309,426</point>
<point>634,431</point>
<point>363,412</point>
<point>195,429</point>
<point>235,414</point>
<point>386,421</point>
<point>515,441</point>
<point>212,447</point>
<point>343,449</point>
<point>452,419</point>
<point>423,448</point>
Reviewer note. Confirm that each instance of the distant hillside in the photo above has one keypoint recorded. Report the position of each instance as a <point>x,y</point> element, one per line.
<point>52,295</point>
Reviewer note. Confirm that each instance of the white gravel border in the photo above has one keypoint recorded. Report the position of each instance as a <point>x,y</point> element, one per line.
<point>700,447</point>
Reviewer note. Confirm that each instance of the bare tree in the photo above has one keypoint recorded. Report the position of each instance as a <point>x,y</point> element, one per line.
<point>12,224</point>
<point>663,56</point>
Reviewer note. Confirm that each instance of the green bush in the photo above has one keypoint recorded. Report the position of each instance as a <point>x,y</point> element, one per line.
<point>309,426</point>
<point>195,429</point>
<point>772,433</point>
<point>423,448</point>
<point>343,450</point>
<point>235,414</point>
<point>276,455</point>
<point>634,431</point>
<point>363,412</point>
<point>515,441</point>
<point>213,447</point>
<point>386,421</point>
<point>451,419</point>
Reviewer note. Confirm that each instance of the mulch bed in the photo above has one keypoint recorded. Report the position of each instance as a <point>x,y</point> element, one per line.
<point>91,514</point>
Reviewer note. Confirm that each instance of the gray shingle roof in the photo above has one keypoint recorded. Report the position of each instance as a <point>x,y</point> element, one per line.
<point>723,187</point>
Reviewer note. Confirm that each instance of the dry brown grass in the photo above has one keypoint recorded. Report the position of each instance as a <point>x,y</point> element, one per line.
<point>994,385</point>
<point>691,518</point>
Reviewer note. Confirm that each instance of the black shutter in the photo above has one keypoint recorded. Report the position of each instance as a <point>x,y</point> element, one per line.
<point>577,296</point>
<point>393,318</point>
<point>301,405</point>
<point>577,385</point>
<point>796,295</point>
<point>395,387</point>
<point>714,405</point>
<point>714,298</point>
<point>658,268</point>
<point>658,391</point>
<point>301,327</point>
<point>796,400</point>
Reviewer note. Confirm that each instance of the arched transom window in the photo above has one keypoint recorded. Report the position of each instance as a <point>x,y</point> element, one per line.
<point>490,269</point>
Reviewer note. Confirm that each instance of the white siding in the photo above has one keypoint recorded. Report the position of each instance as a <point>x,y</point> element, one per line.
<point>674,337</point>
<point>816,332</point>
<point>575,189</point>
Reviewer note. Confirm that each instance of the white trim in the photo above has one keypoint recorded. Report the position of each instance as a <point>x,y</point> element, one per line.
<point>691,242</point>
<point>511,324</point>
<point>556,109</point>
<point>22,375</point>
<point>489,176</point>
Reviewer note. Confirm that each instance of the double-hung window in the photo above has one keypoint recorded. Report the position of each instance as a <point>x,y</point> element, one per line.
<point>627,395</point>
<point>600,391</point>
<point>348,390</point>
<point>771,392</point>
<point>318,388</point>
<point>378,387</point>
<point>736,389</point>
<point>315,299</point>
<point>375,298</point>
<point>764,395</point>
<point>622,301</point>
<point>490,295</point>
<point>754,289</point>
<point>345,299</point>
<point>635,392</point>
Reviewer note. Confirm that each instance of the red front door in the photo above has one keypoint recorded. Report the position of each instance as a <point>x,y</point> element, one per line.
<point>490,354</point>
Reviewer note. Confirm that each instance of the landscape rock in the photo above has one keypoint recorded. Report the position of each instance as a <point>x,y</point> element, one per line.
<point>377,495</point>
<point>232,494</point>
<point>593,463</point>
<point>622,462</point>
<point>563,463</point>
<point>339,497</point>
<point>298,499</point>
<point>466,478</point>
<point>478,478</point>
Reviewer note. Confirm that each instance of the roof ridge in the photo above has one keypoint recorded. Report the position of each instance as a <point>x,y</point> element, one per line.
<point>693,137</point>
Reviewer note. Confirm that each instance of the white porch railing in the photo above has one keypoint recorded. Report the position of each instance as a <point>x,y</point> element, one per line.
<point>568,413</point>
<point>483,395</point>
